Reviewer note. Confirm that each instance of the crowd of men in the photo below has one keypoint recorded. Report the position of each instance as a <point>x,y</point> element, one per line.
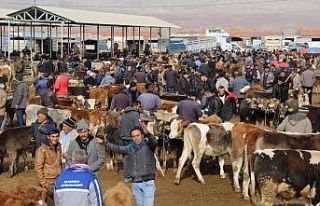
<point>210,80</point>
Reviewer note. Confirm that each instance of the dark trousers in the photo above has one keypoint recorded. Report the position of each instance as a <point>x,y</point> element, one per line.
<point>20,117</point>
<point>309,91</point>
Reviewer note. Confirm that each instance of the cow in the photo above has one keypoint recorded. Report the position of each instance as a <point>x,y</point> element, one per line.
<point>57,115</point>
<point>119,195</point>
<point>30,194</point>
<point>211,140</point>
<point>242,135</point>
<point>248,138</point>
<point>104,94</point>
<point>285,174</point>
<point>13,143</point>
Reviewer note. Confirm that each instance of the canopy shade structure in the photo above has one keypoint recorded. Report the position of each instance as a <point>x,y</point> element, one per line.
<point>4,12</point>
<point>57,14</point>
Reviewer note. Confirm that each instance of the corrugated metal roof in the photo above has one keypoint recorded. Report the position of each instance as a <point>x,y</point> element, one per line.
<point>102,18</point>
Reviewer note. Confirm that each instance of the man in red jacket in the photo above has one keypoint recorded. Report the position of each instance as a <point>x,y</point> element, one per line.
<point>61,85</point>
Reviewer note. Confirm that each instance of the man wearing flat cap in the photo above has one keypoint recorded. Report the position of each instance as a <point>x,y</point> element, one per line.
<point>47,163</point>
<point>40,127</point>
<point>67,134</point>
<point>85,141</point>
<point>296,121</point>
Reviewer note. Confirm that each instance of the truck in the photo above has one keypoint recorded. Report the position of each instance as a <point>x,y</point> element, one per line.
<point>222,38</point>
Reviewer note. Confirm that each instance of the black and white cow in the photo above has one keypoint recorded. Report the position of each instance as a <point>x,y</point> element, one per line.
<point>286,175</point>
<point>201,139</point>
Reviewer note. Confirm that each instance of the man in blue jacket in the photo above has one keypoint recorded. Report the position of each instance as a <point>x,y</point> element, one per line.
<point>78,185</point>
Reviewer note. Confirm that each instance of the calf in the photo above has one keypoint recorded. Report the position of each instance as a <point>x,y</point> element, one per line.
<point>211,140</point>
<point>119,195</point>
<point>14,142</point>
<point>286,174</point>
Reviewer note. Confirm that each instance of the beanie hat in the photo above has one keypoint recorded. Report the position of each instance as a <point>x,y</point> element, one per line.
<point>43,111</point>
<point>51,129</point>
<point>82,125</point>
<point>70,122</point>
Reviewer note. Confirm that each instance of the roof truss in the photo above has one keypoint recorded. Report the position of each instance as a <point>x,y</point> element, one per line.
<point>35,14</point>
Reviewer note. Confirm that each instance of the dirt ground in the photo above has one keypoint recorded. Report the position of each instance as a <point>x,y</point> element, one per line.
<point>216,191</point>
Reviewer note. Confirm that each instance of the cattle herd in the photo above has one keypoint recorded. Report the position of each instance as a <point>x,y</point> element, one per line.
<point>272,166</point>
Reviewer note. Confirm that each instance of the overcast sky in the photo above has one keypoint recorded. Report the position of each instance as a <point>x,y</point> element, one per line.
<point>197,14</point>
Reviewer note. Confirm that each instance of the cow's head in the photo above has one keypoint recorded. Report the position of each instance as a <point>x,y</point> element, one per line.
<point>176,128</point>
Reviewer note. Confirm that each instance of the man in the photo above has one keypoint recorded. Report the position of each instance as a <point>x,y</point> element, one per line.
<point>140,76</point>
<point>296,121</point>
<point>171,78</point>
<point>48,97</point>
<point>107,79</point>
<point>184,84</point>
<point>223,104</point>
<point>85,141</point>
<point>41,83</point>
<point>281,89</point>
<point>130,119</point>
<point>61,85</point>
<point>120,100</point>
<point>78,185</point>
<point>40,127</point>
<point>237,84</point>
<point>67,134</point>
<point>19,99</point>
<point>188,109</point>
<point>140,164</point>
<point>3,101</point>
<point>267,78</point>
<point>47,164</point>
<point>308,78</point>
<point>148,100</point>
<point>222,81</point>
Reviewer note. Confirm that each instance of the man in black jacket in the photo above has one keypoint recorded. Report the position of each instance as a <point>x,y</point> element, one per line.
<point>140,164</point>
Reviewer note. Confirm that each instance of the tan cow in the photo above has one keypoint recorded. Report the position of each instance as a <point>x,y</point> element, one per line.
<point>119,195</point>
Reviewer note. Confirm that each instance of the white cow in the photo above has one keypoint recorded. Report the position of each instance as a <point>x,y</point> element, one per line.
<point>57,115</point>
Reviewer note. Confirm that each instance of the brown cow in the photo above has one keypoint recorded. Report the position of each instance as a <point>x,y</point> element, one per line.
<point>30,194</point>
<point>119,195</point>
<point>104,94</point>
<point>247,138</point>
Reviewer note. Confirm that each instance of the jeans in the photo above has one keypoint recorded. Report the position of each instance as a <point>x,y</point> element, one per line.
<point>170,89</point>
<point>20,117</point>
<point>144,192</point>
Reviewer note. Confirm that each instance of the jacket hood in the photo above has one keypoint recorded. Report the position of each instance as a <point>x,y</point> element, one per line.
<point>295,118</point>
<point>128,109</point>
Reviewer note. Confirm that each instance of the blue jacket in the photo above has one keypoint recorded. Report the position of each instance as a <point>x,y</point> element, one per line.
<point>41,85</point>
<point>79,186</point>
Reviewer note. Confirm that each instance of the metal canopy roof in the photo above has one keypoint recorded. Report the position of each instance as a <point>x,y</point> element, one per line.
<point>4,12</point>
<point>57,14</point>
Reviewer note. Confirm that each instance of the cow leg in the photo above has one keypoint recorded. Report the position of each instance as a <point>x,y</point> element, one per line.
<point>13,156</point>
<point>196,164</point>
<point>236,167</point>
<point>185,154</point>
<point>221,164</point>
<point>246,178</point>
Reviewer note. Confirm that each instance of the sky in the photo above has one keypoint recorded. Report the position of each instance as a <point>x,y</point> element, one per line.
<point>200,14</point>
